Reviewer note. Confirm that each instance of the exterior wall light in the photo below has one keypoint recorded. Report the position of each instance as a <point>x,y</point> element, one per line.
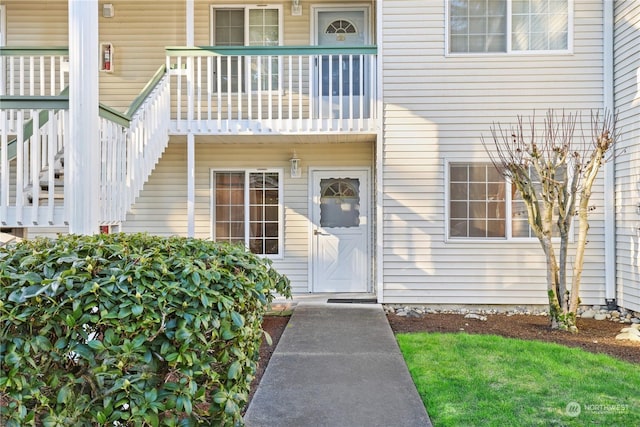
<point>107,10</point>
<point>296,171</point>
<point>296,8</point>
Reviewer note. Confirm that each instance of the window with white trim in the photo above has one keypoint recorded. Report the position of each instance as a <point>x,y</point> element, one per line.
<point>477,201</point>
<point>247,209</point>
<point>248,26</point>
<point>491,26</point>
<point>482,204</point>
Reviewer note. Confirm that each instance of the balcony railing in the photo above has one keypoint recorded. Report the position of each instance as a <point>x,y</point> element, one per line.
<point>273,90</point>
<point>34,72</point>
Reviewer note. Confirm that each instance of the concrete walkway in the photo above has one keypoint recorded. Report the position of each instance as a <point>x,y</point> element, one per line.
<point>337,365</point>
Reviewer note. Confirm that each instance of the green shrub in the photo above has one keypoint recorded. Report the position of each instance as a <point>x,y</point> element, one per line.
<point>130,330</point>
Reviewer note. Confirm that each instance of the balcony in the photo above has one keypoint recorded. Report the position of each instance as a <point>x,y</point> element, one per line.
<point>273,90</point>
<point>201,91</point>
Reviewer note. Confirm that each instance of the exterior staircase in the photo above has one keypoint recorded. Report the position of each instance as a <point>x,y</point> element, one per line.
<point>33,135</point>
<point>44,183</point>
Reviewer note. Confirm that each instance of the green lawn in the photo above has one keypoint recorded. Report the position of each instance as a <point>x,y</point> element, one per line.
<point>484,380</point>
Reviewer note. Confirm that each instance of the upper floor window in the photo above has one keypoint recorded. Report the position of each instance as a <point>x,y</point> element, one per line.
<point>490,26</point>
<point>247,26</point>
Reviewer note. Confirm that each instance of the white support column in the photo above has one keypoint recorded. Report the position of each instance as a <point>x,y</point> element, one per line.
<point>82,150</point>
<point>379,162</point>
<point>191,185</point>
<point>189,25</point>
<point>191,173</point>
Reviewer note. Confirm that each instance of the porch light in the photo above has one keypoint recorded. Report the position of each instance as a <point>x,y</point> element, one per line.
<point>296,172</point>
<point>107,10</point>
<point>296,8</point>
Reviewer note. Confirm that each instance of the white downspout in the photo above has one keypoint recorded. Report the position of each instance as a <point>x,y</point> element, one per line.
<point>82,149</point>
<point>379,242</point>
<point>191,152</point>
<point>609,167</point>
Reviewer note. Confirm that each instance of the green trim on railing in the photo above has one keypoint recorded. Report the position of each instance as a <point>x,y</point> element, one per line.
<point>148,88</point>
<point>14,102</point>
<point>27,128</point>
<point>269,50</point>
<point>61,102</point>
<point>33,50</point>
<point>12,149</point>
<point>43,118</point>
<point>114,115</point>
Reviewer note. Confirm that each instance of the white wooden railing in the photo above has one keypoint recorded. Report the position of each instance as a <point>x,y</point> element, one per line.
<point>32,71</point>
<point>31,191</point>
<point>130,151</point>
<point>33,128</point>
<point>273,90</point>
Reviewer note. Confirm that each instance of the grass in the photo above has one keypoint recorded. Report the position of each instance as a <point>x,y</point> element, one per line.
<point>485,380</point>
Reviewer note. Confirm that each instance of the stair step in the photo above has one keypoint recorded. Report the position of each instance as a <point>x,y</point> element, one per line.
<point>43,194</point>
<point>44,185</point>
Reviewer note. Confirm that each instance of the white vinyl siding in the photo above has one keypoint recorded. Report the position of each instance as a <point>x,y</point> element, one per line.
<point>627,163</point>
<point>438,107</point>
<point>162,206</point>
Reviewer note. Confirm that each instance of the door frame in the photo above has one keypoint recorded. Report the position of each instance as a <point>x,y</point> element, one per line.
<point>369,225</point>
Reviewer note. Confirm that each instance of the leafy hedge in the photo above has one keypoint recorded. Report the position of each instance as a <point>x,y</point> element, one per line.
<point>130,330</point>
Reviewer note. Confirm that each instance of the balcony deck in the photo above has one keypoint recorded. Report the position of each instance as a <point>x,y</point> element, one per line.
<point>273,90</point>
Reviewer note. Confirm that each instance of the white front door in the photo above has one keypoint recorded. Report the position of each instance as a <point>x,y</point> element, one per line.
<point>342,80</point>
<point>341,258</point>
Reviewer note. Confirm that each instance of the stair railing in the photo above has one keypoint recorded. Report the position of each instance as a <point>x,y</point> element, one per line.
<point>132,144</point>
<point>31,163</point>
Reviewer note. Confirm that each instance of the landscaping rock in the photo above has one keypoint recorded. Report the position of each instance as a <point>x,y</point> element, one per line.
<point>631,333</point>
<point>476,316</point>
<point>628,336</point>
<point>588,314</point>
<point>600,316</point>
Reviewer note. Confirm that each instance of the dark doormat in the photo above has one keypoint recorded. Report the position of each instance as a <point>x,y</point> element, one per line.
<point>353,300</point>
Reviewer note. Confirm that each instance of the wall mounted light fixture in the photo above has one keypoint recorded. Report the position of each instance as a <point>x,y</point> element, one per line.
<point>296,170</point>
<point>296,8</point>
<point>107,10</point>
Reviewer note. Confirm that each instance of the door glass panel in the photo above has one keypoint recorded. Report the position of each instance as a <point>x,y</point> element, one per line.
<point>229,194</point>
<point>348,68</point>
<point>340,202</point>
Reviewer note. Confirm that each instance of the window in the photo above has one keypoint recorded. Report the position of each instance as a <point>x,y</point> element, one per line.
<point>247,209</point>
<point>477,201</point>
<point>248,26</point>
<point>489,26</point>
<point>482,204</point>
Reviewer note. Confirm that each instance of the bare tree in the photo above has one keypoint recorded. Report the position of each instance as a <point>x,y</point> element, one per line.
<point>554,167</point>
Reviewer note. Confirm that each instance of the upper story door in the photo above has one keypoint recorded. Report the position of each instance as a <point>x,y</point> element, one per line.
<point>342,80</point>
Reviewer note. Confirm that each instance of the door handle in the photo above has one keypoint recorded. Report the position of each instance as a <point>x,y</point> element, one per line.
<point>317,232</point>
